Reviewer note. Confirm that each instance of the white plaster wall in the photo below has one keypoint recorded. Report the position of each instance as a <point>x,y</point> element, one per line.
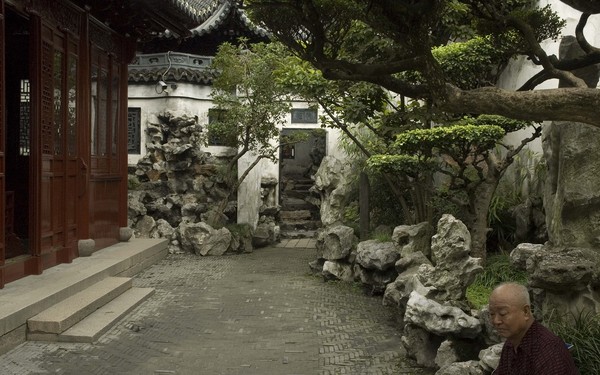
<point>189,99</point>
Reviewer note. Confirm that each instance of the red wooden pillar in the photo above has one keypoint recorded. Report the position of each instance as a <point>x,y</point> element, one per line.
<point>2,145</point>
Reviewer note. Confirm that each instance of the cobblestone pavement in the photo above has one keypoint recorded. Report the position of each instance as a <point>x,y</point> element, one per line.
<point>252,314</point>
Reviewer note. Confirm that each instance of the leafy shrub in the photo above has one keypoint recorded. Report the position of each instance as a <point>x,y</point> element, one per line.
<point>583,331</point>
<point>497,270</point>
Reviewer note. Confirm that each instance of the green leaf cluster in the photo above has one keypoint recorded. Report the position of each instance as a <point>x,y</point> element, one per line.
<point>462,138</point>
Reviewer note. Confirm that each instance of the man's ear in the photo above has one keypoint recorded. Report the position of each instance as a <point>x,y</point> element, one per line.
<point>527,310</point>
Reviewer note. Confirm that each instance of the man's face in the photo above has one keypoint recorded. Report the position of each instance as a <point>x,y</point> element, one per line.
<point>509,319</point>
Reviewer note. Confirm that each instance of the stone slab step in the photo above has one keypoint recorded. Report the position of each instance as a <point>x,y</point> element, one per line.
<point>300,224</point>
<point>69,311</point>
<point>298,234</point>
<point>295,215</point>
<point>97,323</point>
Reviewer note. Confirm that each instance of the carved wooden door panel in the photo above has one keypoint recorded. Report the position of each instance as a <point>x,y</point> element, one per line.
<point>58,154</point>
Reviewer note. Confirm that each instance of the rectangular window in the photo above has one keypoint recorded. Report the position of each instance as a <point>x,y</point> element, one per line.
<point>24,118</point>
<point>134,124</point>
<point>304,115</point>
<point>219,135</point>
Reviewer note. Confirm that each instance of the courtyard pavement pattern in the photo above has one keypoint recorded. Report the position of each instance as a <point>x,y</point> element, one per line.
<point>253,314</point>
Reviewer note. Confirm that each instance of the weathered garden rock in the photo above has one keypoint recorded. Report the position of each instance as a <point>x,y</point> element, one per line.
<point>144,226</point>
<point>375,281</point>
<point>452,242</point>
<point>454,270</point>
<point>398,291</point>
<point>562,270</point>
<point>455,350</point>
<point>202,239</point>
<point>316,266</point>
<point>175,181</point>
<point>332,181</point>
<point>572,197</point>
<point>335,242</point>
<point>462,368</point>
<point>490,336</point>
<point>439,319</point>
<point>162,229</point>
<point>490,357</point>
<point>413,238</point>
<point>411,260</point>
<point>376,255</point>
<point>241,239</point>
<point>523,251</point>
<point>338,271</point>
<point>421,345</point>
<point>266,233</point>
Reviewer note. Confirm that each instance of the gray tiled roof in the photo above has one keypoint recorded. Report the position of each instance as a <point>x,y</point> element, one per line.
<point>199,10</point>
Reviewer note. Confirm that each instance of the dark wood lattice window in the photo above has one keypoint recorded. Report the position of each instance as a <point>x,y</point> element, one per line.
<point>304,115</point>
<point>134,124</point>
<point>25,118</point>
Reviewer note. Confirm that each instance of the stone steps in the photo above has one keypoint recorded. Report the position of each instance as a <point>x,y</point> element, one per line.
<point>290,234</point>
<point>86,315</point>
<point>98,322</point>
<point>295,225</point>
<point>30,296</point>
<point>67,312</point>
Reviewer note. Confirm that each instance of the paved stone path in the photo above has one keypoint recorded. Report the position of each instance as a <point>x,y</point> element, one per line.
<point>252,314</point>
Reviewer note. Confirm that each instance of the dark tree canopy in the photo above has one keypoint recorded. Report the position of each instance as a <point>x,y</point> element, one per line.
<point>394,44</point>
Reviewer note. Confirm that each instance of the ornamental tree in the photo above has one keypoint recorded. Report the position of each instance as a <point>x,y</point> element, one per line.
<point>251,108</point>
<point>469,155</point>
<point>392,43</point>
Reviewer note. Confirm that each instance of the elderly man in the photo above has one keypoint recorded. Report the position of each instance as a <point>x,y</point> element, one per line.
<point>530,348</point>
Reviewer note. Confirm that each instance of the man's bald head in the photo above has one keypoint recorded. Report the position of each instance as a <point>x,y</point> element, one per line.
<point>515,293</point>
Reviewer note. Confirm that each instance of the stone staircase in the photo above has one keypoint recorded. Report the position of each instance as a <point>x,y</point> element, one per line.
<point>299,215</point>
<point>79,301</point>
<point>86,315</point>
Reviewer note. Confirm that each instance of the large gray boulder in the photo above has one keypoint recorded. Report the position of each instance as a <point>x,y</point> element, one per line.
<point>453,268</point>
<point>335,242</point>
<point>490,358</point>
<point>333,183</point>
<point>439,319</point>
<point>562,270</point>
<point>337,271</point>
<point>397,292</point>
<point>462,368</point>
<point>421,345</point>
<point>376,255</point>
<point>410,239</point>
<point>202,239</point>
<point>524,251</point>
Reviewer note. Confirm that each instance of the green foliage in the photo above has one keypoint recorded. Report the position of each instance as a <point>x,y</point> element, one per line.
<point>497,270</point>
<point>472,63</point>
<point>381,236</point>
<point>251,105</point>
<point>508,124</point>
<point>583,331</point>
<point>394,163</point>
<point>462,138</point>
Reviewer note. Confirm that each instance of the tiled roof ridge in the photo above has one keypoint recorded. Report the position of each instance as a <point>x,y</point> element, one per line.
<point>177,74</point>
<point>199,10</point>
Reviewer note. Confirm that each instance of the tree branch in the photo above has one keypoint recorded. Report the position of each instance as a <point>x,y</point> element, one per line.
<point>529,35</point>
<point>583,43</point>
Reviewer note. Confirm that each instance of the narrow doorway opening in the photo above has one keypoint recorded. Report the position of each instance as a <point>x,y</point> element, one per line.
<point>18,131</point>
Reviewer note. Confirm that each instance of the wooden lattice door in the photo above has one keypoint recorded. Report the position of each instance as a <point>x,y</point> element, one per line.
<point>58,148</point>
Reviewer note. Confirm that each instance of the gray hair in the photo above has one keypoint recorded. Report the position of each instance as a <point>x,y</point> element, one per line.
<point>518,291</point>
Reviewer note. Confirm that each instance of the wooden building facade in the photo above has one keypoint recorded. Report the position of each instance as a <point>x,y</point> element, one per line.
<point>63,122</point>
